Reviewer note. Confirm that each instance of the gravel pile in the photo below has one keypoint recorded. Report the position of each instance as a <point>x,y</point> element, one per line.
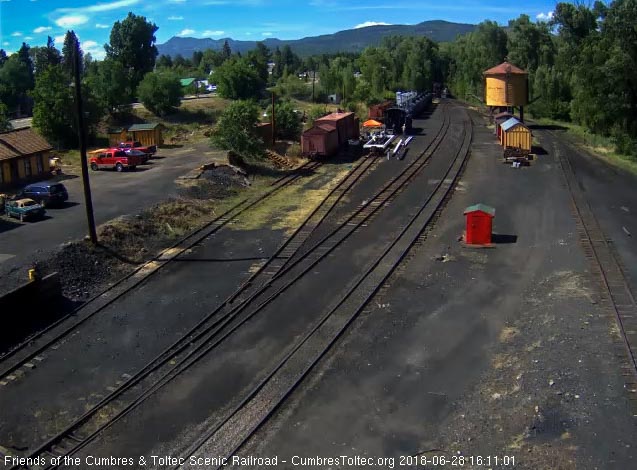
<point>83,269</point>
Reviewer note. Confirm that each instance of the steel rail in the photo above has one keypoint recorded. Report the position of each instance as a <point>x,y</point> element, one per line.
<point>438,191</point>
<point>209,228</point>
<point>78,442</point>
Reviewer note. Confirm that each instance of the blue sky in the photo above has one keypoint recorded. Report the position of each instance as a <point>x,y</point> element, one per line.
<point>32,20</point>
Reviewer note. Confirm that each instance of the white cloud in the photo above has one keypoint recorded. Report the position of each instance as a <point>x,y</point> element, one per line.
<point>71,20</point>
<point>17,34</point>
<point>101,26</point>
<point>266,34</point>
<point>186,32</point>
<point>100,7</point>
<point>176,1</point>
<point>209,33</point>
<point>544,16</point>
<point>59,40</point>
<point>41,29</point>
<point>371,23</point>
<point>93,48</point>
<point>28,38</point>
<point>175,18</point>
<point>5,43</point>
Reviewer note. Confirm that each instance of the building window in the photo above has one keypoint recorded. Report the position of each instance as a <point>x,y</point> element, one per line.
<point>38,163</point>
<point>27,167</point>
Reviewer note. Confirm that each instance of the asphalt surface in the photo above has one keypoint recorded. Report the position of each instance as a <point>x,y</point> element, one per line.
<point>496,352</point>
<point>114,194</point>
<point>610,192</point>
<point>202,397</point>
<point>475,353</point>
<point>124,336</point>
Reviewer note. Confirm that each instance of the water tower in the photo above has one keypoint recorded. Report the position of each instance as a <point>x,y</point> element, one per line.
<point>506,86</point>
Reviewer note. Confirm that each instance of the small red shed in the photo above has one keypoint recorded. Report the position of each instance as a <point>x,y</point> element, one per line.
<point>479,224</point>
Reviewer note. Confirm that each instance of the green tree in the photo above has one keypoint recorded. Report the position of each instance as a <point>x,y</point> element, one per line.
<point>132,43</point>
<point>164,61</point>
<point>288,122</point>
<point>110,84</point>
<point>15,82</point>
<point>5,125</point>
<point>68,52</point>
<point>53,111</point>
<point>160,92</point>
<point>236,79</point>
<point>3,57</point>
<point>226,52</point>
<point>236,127</point>
<point>43,57</point>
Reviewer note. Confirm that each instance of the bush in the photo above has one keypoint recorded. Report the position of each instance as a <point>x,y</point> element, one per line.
<point>160,92</point>
<point>235,130</point>
<point>288,122</point>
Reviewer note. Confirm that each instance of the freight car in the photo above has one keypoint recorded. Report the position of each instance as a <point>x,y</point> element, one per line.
<point>403,114</point>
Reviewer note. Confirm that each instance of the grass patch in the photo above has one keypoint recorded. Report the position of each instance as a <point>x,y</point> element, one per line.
<point>287,209</point>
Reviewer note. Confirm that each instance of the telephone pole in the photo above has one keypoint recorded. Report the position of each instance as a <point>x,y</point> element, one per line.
<point>88,200</point>
<point>273,123</point>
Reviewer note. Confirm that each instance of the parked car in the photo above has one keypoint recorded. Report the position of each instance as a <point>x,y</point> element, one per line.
<point>134,152</point>
<point>46,193</point>
<point>24,209</point>
<point>113,159</point>
<point>149,150</point>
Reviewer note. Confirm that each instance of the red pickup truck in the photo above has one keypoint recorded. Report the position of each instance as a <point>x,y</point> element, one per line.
<point>149,150</point>
<point>113,158</point>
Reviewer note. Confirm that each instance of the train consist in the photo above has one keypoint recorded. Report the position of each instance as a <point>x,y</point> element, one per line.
<point>408,105</point>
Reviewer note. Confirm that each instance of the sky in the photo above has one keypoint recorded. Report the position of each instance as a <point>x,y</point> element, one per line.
<point>32,21</point>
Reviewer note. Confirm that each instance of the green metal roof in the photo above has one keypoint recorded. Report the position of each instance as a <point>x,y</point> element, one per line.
<point>187,81</point>
<point>481,207</point>
<point>144,127</point>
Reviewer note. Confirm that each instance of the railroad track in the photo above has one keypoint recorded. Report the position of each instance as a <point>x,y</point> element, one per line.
<point>616,294</point>
<point>219,325</point>
<point>133,384</point>
<point>225,439</point>
<point>18,358</point>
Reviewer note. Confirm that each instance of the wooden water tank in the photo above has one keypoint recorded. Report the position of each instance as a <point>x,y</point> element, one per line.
<point>506,85</point>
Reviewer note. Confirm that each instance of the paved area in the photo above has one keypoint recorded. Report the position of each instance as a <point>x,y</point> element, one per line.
<point>201,398</point>
<point>114,194</point>
<point>476,353</point>
<point>493,353</point>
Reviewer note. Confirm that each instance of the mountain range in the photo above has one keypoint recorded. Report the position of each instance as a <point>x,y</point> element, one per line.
<point>351,40</point>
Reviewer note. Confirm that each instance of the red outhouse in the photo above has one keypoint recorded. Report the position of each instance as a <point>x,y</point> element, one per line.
<point>479,224</point>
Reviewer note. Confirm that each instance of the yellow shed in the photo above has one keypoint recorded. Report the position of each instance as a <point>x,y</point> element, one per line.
<point>117,135</point>
<point>506,85</point>
<point>147,134</point>
<point>516,135</point>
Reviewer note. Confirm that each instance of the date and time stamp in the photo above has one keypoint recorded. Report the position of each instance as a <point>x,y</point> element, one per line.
<point>421,461</point>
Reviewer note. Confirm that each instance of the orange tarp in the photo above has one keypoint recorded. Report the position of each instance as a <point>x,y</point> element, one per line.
<point>372,123</point>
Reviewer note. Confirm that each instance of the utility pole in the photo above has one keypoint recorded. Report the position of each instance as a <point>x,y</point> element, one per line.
<point>313,82</point>
<point>273,123</point>
<point>88,201</point>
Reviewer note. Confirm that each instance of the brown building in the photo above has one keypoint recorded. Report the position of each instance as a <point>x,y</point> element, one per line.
<point>148,134</point>
<point>24,156</point>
